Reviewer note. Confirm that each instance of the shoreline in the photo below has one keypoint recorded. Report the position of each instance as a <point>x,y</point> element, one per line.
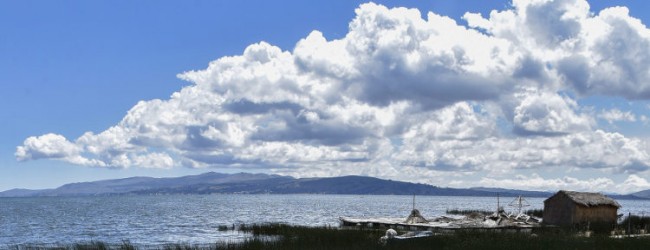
<point>283,236</point>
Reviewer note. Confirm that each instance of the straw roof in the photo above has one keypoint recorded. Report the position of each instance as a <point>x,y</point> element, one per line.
<point>415,217</point>
<point>590,199</point>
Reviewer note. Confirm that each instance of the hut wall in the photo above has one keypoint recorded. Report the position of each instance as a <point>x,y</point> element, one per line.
<point>561,209</point>
<point>595,214</point>
<point>558,210</point>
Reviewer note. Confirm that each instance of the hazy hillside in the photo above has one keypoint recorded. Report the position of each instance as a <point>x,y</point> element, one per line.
<point>136,184</point>
<point>642,194</point>
<point>332,185</point>
<point>270,184</point>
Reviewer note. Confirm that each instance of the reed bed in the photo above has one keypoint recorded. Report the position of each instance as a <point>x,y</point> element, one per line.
<point>532,212</point>
<point>468,211</point>
<point>282,236</point>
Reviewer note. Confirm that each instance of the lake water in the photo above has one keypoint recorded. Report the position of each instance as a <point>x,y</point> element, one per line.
<point>194,219</point>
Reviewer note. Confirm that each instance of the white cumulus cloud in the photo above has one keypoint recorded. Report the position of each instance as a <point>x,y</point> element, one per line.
<point>633,183</point>
<point>595,54</point>
<point>536,182</point>
<point>549,113</point>
<point>46,146</point>
<point>397,94</point>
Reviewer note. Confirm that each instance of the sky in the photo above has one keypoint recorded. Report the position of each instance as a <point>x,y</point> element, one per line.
<point>529,94</point>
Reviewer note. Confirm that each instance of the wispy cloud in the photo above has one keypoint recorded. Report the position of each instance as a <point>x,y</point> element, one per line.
<point>616,115</point>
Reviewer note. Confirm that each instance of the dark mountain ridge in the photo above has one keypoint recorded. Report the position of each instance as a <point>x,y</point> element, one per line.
<point>247,183</point>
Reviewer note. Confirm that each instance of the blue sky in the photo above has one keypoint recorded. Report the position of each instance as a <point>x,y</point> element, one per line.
<point>71,67</point>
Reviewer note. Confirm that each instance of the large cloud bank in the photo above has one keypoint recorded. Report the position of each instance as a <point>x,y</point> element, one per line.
<point>400,95</point>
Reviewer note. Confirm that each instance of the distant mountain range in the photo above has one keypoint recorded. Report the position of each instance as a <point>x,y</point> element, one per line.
<point>643,194</point>
<point>246,183</point>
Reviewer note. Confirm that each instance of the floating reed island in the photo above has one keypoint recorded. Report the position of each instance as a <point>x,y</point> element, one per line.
<point>498,220</point>
<point>581,212</point>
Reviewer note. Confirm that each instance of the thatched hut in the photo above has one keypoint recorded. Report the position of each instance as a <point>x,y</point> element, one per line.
<point>570,208</point>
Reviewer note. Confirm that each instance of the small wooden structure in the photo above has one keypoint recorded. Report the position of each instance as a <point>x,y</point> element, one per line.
<point>570,208</point>
<point>415,217</point>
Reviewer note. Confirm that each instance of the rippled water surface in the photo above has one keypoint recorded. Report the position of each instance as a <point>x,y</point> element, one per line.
<point>195,219</point>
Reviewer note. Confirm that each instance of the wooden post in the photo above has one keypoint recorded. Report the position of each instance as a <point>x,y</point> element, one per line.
<point>413,201</point>
<point>498,203</point>
<point>629,223</point>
